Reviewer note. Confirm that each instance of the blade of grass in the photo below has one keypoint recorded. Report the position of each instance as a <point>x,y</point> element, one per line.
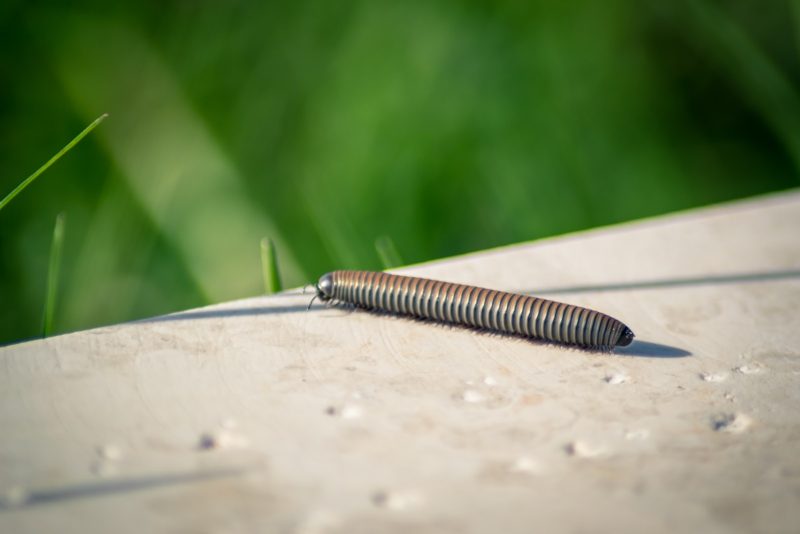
<point>52,275</point>
<point>387,252</point>
<point>25,183</point>
<point>269,267</point>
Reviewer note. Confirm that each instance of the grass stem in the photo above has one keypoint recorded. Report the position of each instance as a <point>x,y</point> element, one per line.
<point>269,267</point>
<point>27,181</point>
<point>52,275</point>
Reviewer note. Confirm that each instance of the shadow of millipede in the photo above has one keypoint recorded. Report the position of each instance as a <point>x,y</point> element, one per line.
<point>637,348</point>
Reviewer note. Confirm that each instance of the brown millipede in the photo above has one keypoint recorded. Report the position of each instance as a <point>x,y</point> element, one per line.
<point>489,309</point>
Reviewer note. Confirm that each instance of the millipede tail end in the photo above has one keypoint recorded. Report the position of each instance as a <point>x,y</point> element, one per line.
<point>625,338</point>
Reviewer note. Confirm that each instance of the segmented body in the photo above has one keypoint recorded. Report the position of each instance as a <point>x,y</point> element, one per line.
<point>477,307</point>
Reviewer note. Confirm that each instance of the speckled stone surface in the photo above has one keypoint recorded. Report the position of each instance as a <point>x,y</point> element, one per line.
<point>257,415</point>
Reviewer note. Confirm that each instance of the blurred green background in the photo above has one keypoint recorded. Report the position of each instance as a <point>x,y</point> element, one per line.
<point>447,126</point>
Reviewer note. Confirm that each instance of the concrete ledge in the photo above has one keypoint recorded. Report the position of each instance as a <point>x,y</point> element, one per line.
<point>256,415</point>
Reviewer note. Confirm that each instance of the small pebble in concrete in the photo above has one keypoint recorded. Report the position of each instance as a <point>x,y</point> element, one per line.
<point>750,369</point>
<point>347,411</point>
<point>472,396</point>
<point>525,465</point>
<point>109,451</point>
<point>581,449</point>
<point>733,423</point>
<point>713,377</point>
<point>352,411</point>
<point>223,437</point>
<point>396,500</point>
<point>617,378</point>
<point>105,464</point>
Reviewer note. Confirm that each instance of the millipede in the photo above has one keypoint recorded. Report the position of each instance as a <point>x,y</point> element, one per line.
<point>476,307</point>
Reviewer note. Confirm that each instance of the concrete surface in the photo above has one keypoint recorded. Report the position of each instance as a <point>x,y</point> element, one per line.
<point>258,416</point>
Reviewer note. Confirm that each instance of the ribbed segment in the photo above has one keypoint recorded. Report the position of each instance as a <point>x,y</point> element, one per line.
<point>478,307</point>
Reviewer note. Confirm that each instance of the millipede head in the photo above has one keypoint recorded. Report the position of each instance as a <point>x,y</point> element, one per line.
<point>625,337</point>
<point>325,287</point>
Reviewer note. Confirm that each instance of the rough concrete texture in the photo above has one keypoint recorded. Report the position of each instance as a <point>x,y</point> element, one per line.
<point>258,415</point>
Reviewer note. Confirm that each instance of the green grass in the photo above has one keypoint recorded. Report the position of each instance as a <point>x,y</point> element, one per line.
<point>54,265</point>
<point>269,267</point>
<point>387,252</point>
<point>451,127</point>
<point>53,271</point>
<point>29,180</point>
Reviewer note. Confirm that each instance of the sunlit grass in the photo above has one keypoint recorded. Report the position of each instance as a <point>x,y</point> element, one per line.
<point>387,252</point>
<point>173,165</point>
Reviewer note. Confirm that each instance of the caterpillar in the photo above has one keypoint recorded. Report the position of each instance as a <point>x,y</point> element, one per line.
<point>476,307</point>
